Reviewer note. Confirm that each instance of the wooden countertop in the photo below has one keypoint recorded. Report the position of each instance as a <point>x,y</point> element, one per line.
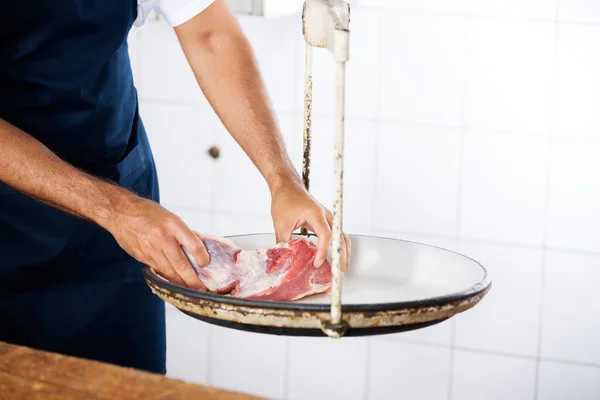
<point>32,374</point>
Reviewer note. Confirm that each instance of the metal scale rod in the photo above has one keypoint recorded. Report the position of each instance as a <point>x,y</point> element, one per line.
<point>307,122</point>
<point>326,24</point>
<point>338,183</point>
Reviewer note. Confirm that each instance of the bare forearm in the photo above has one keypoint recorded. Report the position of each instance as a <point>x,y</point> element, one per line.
<point>144,229</point>
<point>226,70</point>
<point>31,168</point>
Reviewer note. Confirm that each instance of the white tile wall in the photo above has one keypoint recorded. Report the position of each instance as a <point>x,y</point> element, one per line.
<point>574,195</point>
<point>535,9</point>
<point>236,224</point>
<point>362,98</point>
<point>579,10</point>
<point>187,347</point>
<point>447,6</point>
<point>185,131</point>
<point>365,52</point>
<point>560,381</point>
<point>163,71</point>
<point>449,106</point>
<point>238,185</point>
<point>312,362</point>
<point>577,86</point>
<point>248,362</point>
<point>359,166</point>
<point>417,179</point>
<point>405,370</point>
<point>422,70</point>
<point>570,324</point>
<point>506,319</point>
<point>479,376</point>
<point>276,47</point>
<point>199,222</point>
<point>509,70</point>
<point>445,242</point>
<point>504,187</point>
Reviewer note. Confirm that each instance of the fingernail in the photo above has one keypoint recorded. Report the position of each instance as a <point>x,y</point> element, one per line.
<point>318,263</point>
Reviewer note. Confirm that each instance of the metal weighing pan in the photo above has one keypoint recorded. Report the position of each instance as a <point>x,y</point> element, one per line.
<point>390,286</point>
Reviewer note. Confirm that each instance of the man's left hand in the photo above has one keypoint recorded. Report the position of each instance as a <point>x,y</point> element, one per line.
<point>292,207</point>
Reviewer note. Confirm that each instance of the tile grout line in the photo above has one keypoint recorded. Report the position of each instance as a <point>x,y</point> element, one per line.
<point>538,358</point>
<point>291,152</point>
<point>462,133</point>
<point>580,23</point>
<point>498,243</point>
<point>286,366</point>
<point>316,114</point>
<point>366,388</point>
<point>377,138</point>
<point>494,353</point>
<point>459,209</point>
<point>209,355</point>
<point>377,119</point>
<point>450,395</point>
<point>462,138</point>
<point>213,181</point>
<point>482,16</point>
<point>549,155</point>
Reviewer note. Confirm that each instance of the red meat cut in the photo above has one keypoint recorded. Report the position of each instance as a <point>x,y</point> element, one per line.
<point>285,272</point>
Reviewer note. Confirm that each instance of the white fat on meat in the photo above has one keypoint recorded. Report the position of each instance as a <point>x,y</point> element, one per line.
<point>245,273</point>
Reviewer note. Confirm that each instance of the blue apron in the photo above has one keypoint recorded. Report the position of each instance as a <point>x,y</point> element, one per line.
<point>65,284</point>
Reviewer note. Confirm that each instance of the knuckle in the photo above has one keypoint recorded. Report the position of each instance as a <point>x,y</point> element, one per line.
<point>156,233</point>
<point>318,210</point>
<point>173,222</point>
<point>168,273</point>
<point>181,264</point>
<point>195,247</point>
<point>138,255</point>
<point>145,244</point>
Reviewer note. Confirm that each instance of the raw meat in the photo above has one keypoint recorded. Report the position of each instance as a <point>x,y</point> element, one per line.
<point>282,273</point>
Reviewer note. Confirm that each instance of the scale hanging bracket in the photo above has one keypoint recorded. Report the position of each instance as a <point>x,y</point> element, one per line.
<point>326,24</point>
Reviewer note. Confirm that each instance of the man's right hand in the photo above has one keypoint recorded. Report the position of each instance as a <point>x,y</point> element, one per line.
<point>154,236</point>
<point>144,229</point>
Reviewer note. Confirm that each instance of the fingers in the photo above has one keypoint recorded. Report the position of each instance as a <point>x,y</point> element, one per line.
<point>319,224</point>
<point>180,263</point>
<point>193,245</point>
<point>178,235</point>
<point>164,268</point>
<point>348,251</point>
<point>283,233</point>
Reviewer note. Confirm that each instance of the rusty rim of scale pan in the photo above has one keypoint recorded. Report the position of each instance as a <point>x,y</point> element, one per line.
<point>306,319</point>
<point>391,285</point>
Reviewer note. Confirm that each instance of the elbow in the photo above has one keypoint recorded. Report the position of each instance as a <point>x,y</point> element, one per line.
<point>219,42</point>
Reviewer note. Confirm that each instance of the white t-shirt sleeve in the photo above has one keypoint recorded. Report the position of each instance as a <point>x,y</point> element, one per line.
<point>176,12</point>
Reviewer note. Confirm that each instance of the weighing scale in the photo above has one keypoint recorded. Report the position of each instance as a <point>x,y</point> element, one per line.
<point>390,285</point>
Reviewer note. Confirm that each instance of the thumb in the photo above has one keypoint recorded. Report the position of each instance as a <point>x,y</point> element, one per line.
<point>283,233</point>
<point>323,232</point>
